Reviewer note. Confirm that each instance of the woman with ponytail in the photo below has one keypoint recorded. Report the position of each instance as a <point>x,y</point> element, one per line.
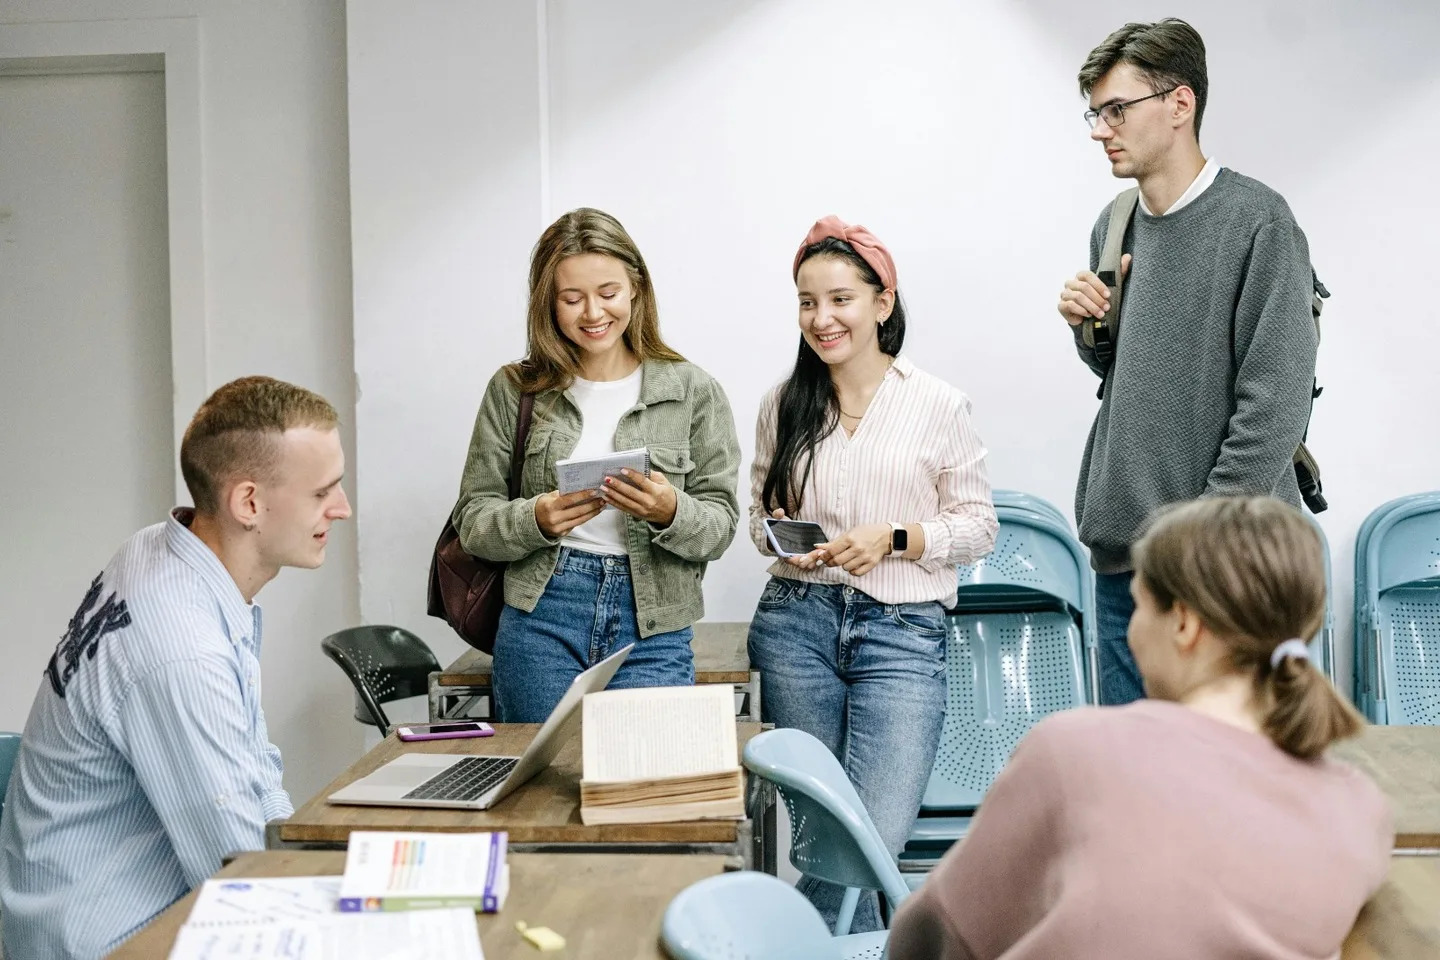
<point>1206,821</point>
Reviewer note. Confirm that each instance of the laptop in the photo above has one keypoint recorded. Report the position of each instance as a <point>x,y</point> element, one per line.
<point>475,782</point>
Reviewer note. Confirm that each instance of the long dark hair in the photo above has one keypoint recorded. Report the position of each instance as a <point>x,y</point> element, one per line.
<point>808,408</point>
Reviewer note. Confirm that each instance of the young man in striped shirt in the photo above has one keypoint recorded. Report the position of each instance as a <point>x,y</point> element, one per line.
<point>146,759</point>
<point>1208,393</point>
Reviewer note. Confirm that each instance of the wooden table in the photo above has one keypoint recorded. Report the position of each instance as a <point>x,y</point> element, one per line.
<point>604,905</point>
<point>541,816</point>
<point>1402,920</point>
<point>720,657</point>
<point>1405,762</point>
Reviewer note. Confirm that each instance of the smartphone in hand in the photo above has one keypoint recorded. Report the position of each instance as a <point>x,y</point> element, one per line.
<point>793,538</point>
<point>444,731</point>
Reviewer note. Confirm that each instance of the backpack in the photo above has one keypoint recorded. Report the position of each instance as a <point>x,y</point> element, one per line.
<point>1101,335</point>
<point>466,592</point>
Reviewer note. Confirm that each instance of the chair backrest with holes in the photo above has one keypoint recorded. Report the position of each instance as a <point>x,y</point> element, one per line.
<point>384,664</point>
<point>831,834</point>
<point>1016,648</point>
<point>745,915</point>
<point>1397,600</point>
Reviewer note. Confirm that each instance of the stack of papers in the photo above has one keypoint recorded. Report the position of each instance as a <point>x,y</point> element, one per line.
<point>297,918</point>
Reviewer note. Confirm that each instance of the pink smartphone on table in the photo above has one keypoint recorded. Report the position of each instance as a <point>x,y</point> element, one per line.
<point>444,731</point>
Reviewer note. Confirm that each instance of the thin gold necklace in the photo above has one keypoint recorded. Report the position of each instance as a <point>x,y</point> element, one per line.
<point>872,396</point>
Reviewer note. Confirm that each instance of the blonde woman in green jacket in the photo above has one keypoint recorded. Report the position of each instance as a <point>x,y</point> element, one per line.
<point>584,580</point>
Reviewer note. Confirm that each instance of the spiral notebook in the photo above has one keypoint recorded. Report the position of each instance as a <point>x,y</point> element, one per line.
<point>589,473</point>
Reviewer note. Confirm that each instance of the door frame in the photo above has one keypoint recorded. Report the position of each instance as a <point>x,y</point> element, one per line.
<point>171,45</point>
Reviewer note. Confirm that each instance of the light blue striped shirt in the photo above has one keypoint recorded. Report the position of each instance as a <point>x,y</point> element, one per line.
<point>145,758</point>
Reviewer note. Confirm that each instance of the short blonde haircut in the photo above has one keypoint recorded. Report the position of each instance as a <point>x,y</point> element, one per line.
<point>1253,570</point>
<point>235,434</point>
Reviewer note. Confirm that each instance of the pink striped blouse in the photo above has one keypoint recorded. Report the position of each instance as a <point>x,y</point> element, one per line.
<point>915,458</point>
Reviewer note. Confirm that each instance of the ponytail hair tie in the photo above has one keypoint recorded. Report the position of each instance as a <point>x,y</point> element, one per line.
<point>1290,648</point>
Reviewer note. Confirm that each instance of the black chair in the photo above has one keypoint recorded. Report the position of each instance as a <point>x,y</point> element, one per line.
<point>384,663</point>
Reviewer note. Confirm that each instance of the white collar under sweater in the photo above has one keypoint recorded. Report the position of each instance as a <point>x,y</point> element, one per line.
<point>1202,181</point>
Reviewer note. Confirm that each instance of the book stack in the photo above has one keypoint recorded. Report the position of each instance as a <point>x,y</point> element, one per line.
<point>423,871</point>
<point>661,754</point>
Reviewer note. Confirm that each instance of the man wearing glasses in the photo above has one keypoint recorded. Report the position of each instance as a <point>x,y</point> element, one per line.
<point>1207,389</point>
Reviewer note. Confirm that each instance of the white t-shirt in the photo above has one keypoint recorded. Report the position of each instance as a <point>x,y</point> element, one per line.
<point>1199,185</point>
<point>602,404</point>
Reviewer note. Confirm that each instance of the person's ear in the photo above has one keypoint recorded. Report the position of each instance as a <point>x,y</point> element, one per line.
<point>1182,106</point>
<point>244,503</point>
<point>1185,628</point>
<point>885,305</point>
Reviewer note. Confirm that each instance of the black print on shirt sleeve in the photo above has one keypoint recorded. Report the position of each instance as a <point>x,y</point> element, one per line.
<point>84,634</point>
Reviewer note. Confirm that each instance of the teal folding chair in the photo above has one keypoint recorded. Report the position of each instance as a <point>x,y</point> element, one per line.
<point>1028,501</point>
<point>9,748</point>
<point>1016,650</point>
<point>1397,612</point>
<point>753,916</point>
<point>831,835</point>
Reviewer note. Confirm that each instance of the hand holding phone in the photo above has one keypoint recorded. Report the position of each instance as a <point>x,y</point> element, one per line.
<point>444,731</point>
<point>793,538</point>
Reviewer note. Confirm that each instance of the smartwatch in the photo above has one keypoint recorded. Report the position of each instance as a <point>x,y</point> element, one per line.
<point>899,538</point>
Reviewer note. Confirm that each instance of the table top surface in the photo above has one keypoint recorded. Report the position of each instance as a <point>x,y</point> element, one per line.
<point>1401,921</point>
<point>610,905</point>
<point>604,905</point>
<point>720,657</point>
<point>546,809</point>
<point>1405,763</point>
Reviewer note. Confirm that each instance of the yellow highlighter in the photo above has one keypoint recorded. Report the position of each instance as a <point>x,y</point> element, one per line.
<point>542,938</point>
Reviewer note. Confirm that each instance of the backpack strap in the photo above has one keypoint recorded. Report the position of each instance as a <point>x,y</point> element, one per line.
<point>1101,335</point>
<point>1307,470</point>
<point>522,437</point>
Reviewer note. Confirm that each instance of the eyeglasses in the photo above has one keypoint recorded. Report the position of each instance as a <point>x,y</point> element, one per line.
<point>1114,113</point>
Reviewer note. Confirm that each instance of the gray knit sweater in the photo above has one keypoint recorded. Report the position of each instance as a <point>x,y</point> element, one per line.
<point>1209,393</point>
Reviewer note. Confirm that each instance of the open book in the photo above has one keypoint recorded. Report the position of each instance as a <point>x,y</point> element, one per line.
<point>660,754</point>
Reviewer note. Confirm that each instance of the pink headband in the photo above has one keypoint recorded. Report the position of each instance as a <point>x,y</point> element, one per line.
<point>871,250</point>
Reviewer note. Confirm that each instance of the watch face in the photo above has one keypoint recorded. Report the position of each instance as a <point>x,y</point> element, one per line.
<point>900,540</point>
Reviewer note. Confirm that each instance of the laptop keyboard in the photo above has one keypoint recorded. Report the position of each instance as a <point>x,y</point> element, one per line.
<point>470,779</point>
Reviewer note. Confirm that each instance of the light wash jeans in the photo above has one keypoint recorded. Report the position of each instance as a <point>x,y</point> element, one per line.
<point>586,613</point>
<point>867,679</point>
<point>1120,681</point>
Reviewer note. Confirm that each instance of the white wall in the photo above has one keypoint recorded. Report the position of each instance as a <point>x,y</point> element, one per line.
<point>84,367</point>
<point>445,185</point>
<point>278,297</point>
<point>719,132</point>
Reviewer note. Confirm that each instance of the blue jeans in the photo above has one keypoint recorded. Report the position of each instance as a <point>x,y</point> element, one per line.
<point>1120,681</point>
<point>586,613</point>
<point>867,679</point>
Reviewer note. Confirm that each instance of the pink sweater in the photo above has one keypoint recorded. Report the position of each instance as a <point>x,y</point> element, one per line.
<point>1153,831</point>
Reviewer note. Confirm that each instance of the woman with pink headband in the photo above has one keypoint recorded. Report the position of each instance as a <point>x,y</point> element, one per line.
<point>850,636</point>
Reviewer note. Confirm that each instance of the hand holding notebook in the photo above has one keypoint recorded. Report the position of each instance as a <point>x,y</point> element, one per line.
<point>589,473</point>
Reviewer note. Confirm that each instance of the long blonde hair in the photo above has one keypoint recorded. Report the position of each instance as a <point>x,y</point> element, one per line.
<point>1253,570</point>
<point>552,362</point>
